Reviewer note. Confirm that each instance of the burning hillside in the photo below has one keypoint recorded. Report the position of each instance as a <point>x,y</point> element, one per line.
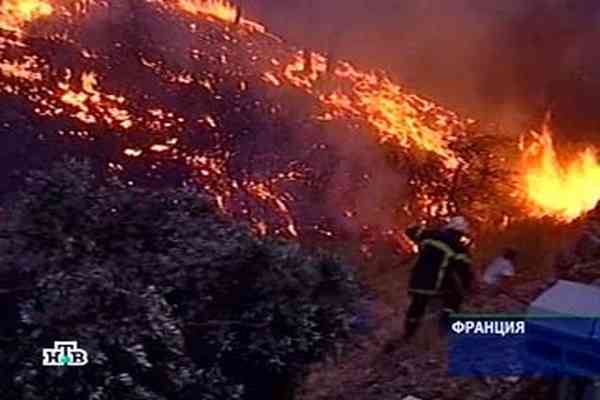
<point>15,15</point>
<point>278,137</point>
<point>564,189</point>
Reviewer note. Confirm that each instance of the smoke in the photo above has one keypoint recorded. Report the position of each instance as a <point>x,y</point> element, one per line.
<point>365,188</point>
<point>362,188</point>
<point>503,62</point>
<point>466,56</point>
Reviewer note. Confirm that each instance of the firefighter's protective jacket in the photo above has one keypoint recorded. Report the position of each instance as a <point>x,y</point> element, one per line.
<point>443,263</point>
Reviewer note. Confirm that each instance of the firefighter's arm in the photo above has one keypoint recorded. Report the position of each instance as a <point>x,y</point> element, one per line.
<point>465,270</point>
<point>415,233</point>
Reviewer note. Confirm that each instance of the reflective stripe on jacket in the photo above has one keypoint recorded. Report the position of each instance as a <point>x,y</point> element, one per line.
<point>443,262</point>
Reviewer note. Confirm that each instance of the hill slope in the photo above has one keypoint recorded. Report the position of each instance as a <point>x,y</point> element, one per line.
<point>163,91</point>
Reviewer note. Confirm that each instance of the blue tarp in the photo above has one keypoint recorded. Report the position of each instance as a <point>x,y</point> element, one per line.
<point>549,346</point>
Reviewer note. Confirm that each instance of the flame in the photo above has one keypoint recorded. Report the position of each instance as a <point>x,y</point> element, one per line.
<point>20,70</point>
<point>563,190</point>
<point>221,10</point>
<point>297,75</point>
<point>132,152</point>
<point>270,201</point>
<point>218,9</point>
<point>213,175</point>
<point>90,101</point>
<point>396,115</point>
<point>15,14</point>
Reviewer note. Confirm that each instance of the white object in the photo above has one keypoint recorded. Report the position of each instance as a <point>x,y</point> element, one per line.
<point>459,224</point>
<point>497,270</point>
<point>568,298</point>
<point>64,353</point>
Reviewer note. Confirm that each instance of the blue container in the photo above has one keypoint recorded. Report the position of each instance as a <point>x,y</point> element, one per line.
<point>566,341</point>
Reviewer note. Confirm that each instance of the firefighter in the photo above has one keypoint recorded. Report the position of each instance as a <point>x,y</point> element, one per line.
<point>443,268</point>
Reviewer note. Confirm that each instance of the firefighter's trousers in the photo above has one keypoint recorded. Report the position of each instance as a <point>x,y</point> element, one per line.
<point>452,301</point>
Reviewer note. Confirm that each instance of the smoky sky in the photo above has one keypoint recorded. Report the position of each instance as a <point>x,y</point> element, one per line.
<point>505,61</point>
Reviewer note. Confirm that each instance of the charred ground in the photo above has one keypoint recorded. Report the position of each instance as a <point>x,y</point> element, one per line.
<point>158,96</point>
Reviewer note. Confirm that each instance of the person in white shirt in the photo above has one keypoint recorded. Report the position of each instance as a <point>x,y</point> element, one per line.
<point>500,269</point>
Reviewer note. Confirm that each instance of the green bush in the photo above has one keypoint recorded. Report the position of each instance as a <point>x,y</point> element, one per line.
<point>169,299</point>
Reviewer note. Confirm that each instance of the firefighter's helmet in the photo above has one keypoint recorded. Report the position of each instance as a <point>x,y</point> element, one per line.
<point>459,224</point>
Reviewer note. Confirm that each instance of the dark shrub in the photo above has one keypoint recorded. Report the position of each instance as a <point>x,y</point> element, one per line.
<point>169,299</point>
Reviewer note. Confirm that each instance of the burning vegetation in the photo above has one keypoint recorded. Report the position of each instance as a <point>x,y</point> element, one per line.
<point>220,10</point>
<point>16,14</point>
<point>561,187</point>
<point>269,131</point>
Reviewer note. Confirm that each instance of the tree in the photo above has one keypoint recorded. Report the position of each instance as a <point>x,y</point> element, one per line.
<point>169,299</point>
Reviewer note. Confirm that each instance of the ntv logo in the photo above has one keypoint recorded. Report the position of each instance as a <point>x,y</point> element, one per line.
<point>65,354</point>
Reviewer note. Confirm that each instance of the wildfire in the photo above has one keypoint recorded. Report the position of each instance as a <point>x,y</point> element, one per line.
<point>202,110</point>
<point>221,10</point>
<point>90,101</point>
<point>15,14</point>
<point>561,189</point>
<point>396,115</point>
<point>298,76</point>
<point>20,70</point>
<point>218,9</point>
<point>271,201</point>
<point>231,195</point>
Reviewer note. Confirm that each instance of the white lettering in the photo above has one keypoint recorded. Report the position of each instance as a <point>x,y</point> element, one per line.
<point>469,325</point>
<point>479,328</point>
<point>458,327</point>
<point>488,327</point>
<point>64,353</point>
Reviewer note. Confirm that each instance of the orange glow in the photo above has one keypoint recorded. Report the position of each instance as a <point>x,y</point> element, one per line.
<point>295,73</point>
<point>255,27</point>
<point>221,10</point>
<point>91,104</point>
<point>133,152</point>
<point>224,50</point>
<point>218,9</point>
<point>20,70</point>
<point>269,77</point>
<point>396,115</point>
<point>263,192</point>
<point>15,14</point>
<point>564,190</point>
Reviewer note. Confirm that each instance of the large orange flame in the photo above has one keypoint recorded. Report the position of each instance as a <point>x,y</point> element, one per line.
<point>221,10</point>
<point>370,99</point>
<point>397,115</point>
<point>218,9</point>
<point>564,190</point>
<point>15,14</point>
